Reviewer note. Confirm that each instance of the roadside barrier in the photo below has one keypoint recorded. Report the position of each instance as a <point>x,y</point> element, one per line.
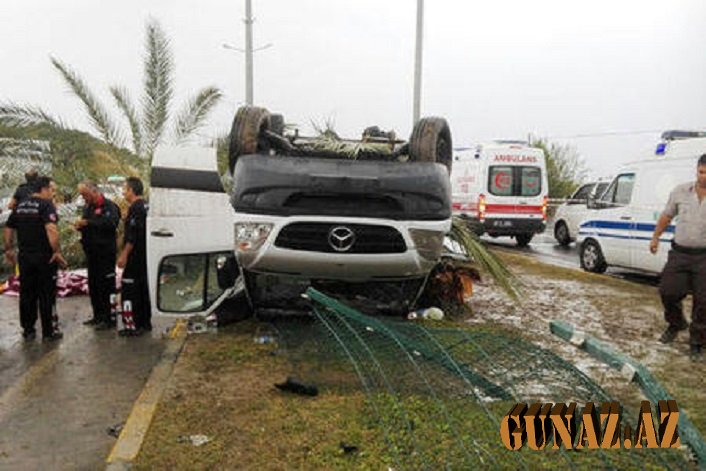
<point>633,371</point>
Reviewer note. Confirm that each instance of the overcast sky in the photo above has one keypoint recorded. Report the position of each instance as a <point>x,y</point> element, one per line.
<point>500,69</point>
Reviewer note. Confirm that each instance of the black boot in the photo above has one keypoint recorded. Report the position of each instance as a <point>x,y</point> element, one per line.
<point>671,332</point>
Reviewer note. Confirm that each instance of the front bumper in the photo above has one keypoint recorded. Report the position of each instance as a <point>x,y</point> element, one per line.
<point>508,226</point>
<point>352,267</point>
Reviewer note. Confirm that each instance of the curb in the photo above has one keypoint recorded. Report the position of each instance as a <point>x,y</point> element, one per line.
<point>133,434</point>
<point>633,372</point>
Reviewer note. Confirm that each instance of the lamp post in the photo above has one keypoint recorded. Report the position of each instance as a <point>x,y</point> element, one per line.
<point>418,62</point>
<point>248,51</point>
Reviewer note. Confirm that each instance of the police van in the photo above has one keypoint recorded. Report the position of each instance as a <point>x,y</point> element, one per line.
<point>502,189</point>
<point>619,225</point>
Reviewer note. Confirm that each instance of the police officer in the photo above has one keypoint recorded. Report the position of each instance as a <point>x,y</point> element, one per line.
<point>35,221</point>
<point>98,227</point>
<point>686,266</point>
<point>137,312</point>
<point>25,190</point>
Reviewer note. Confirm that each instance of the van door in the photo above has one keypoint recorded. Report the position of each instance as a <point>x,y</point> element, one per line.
<point>615,220</point>
<point>189,232</point>
<point>532,184</point>
<point>651,195</point>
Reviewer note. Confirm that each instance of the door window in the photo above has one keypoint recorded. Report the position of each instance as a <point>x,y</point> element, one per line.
<point>188,283</point>
<point>581,195</point>
<point>501,181</point>
<point>514,181</point>
<point>530,181</point>
<point>619,192</point>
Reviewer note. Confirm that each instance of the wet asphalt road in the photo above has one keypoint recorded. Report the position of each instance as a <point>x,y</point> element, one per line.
<point>58,399</point>
<point>545,248</point>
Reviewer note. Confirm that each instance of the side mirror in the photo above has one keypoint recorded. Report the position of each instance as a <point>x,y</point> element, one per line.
<point>226,271</point>
<point>596,203</point>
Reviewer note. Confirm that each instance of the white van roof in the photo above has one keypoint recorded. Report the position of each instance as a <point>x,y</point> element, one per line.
<point>652,162</point>
<point>681,148</point>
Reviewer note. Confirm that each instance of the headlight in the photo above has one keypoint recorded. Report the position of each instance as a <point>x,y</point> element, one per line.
<point>249,236</point>
<point>428,243</point>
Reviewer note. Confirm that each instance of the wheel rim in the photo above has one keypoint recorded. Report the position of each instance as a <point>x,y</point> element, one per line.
<point>590,256</point>
<point>562,232</point>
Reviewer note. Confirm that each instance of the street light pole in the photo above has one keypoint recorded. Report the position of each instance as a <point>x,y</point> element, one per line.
<point>418,62</point>
<point>248,53</point>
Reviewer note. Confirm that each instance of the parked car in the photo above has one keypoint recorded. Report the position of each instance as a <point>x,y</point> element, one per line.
<point>501,188</point>
<point>366,225</point>
<point>570,213</point>
<point>619,225</point>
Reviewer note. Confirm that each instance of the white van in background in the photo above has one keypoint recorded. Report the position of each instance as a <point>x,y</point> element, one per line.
<point>570,214</point>
<point>502,189</point>
<point>618,228</point>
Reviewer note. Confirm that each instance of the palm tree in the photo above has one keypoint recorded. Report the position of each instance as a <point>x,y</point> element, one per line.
<point>147,124</point>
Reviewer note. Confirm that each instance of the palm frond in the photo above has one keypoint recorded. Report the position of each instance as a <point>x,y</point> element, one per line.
<point>122,99</point>
<point>100,120</point>
<point>159,67</point>
<point>194,113</point>
<point>475,250</point>
<point>327,130</point>
<point>16,115</point>
<point>327,140</point>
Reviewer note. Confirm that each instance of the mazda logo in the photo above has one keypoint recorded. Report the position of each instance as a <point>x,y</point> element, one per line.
<point>341,239</point>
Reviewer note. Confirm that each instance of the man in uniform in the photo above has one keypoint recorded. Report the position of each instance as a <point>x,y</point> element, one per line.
<point>98,227</point>
<point>35,221</point>
<point>137,312</point>
<point>25,190</point>
<point>686,266</point>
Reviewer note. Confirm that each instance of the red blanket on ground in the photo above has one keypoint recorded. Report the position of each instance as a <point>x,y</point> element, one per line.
<point>69,283</point>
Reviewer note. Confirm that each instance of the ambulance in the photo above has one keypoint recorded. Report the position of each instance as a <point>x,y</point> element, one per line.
<point>501,188</point>
<point>619,225</point>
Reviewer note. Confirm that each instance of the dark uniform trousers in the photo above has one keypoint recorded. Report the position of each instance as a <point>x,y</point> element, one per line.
<point>101,283</point>
<point>135,296</point>
<point>37,287</point>
<point>683,273</point>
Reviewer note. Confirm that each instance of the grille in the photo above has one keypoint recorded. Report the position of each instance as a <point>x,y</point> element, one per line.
<point>314,237</point>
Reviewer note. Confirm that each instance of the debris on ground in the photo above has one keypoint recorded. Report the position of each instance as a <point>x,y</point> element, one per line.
<point>195,440</point>
<point>433,313</point>
<point>115,430</point>
<point>197,325</point>
<point>212,322</point>
<point>264,339</point>
<point>297,387</point>
<point>347,448</point>
<point>450,286</point>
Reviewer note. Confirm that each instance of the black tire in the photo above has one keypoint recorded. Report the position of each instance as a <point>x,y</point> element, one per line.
<point>246,133</point>
<point>431,142</point>
<point>523,240</point>
<point>591,257</point>
<point>277,123</point>
<point>561,233</point>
